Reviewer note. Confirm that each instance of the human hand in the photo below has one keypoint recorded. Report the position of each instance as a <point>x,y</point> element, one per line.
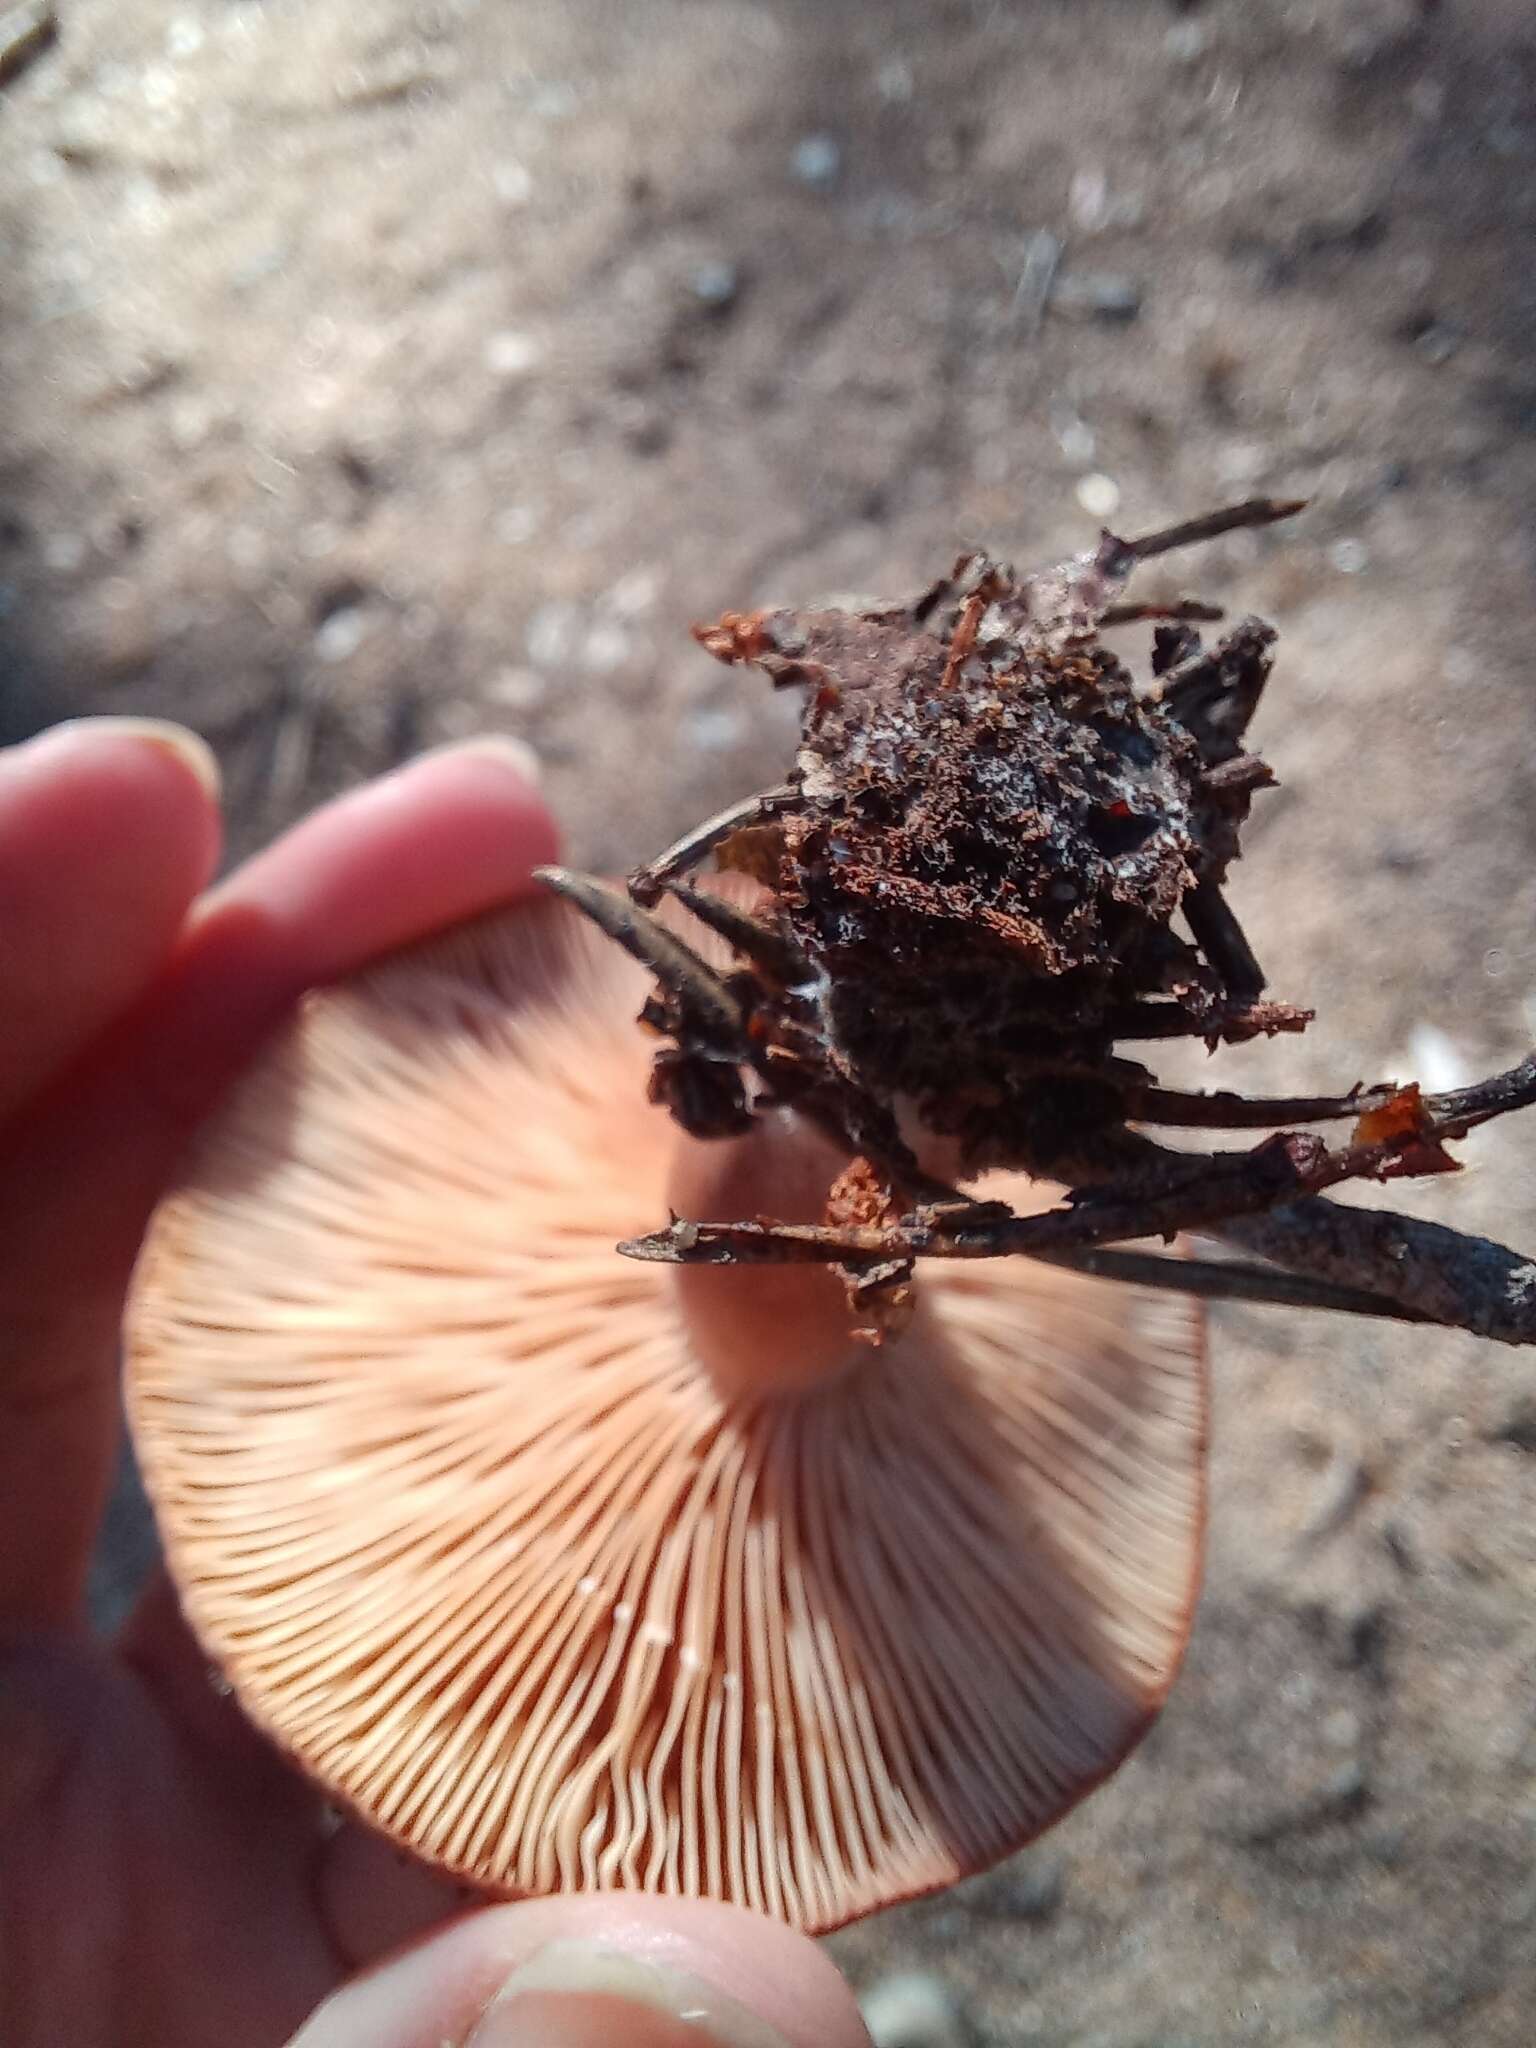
<point>165,1878</point>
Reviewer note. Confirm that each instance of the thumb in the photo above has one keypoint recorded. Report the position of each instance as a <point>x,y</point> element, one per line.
<point>588,1972</point>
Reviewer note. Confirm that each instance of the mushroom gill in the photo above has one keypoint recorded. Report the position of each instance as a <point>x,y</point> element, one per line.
<point>492,1532</point>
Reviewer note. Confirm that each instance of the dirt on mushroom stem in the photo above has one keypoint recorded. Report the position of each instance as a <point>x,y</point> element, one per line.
<point>971,885</point>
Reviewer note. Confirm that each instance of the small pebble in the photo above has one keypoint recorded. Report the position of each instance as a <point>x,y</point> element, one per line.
<point>914,2010</point>
<point>1088,200</point>
<point>517,689</point>
<point>552,634</point>
<point>553,100</point>
<point>514,524</point>
<point>160,85</point>
<point>511,354</point>
<point>1242,463</point>
<point>715,284</point>
<point>512,182</point>
<point>1437,343</point>
<point>1099,495</point>
<point>63,552</point>
<point>817,160</point>
<point>605,648</point>
<point>1037,276</point>
<point>894,81</point>
<point>339,638</point>
<point>1459,665</point>
<point>1186,42</point>
<point>1097,295</point>
<point>633,595</point>
<point>321,537</point>
<point>1074,436</point>
<point>185,36</point>
<point>1031,1887</point>
<point>1347,1788</point>
<point>1342,1728</point>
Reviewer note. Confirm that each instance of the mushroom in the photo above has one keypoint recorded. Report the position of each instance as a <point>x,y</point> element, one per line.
<point>572,1572</point>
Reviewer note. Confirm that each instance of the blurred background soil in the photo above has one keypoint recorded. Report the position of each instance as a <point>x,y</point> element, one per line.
<point>374,373</point>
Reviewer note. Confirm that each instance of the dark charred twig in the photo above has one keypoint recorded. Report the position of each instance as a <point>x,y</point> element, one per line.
<point>692,981</point>
<point>1228,1280</point>
<point>647,883</point>
<point>1438,1275</point>
<point>1191,608</point>
<point>1214,692</point>
<point>1223,1111</point>
<point>1220,937</point>
<point>778,957</point>
<point>1234,1023</point>
<point>1252,512</point>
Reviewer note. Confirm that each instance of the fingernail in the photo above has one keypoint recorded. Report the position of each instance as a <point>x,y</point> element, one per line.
<point>504,747</point>
<point>573,1994</point>
<point>185,747</point>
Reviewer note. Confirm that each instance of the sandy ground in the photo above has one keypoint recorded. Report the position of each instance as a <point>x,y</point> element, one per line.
<point>375,373</point>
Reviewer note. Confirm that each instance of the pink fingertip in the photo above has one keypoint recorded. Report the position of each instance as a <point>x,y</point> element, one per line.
<point>452,834</point>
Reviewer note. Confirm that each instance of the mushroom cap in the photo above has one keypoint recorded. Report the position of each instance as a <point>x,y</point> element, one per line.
<point>453,1502</point>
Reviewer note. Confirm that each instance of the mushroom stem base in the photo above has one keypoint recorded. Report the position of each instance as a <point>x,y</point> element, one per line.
<point>763,1331</point>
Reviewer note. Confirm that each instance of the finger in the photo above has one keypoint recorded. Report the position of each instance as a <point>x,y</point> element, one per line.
<point>588,1972</point>
<point>441,840</point>
<point>456,833</point>
<point>108,829</point>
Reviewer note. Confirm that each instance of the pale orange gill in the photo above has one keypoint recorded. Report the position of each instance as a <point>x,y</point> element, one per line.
<point>571,1572</point>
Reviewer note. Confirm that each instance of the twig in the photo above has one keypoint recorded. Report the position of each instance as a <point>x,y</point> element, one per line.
<point>1224,1111</point>
<point>1032,294</point>
<point>1254,1199</point>
<point>1220,937</point>
<point>1442,1276</point>
<point>691,981</point>
<point>1228,1280</point>
<point>1252,512</point>
<point>25,32</point>
<point>780,959</point>
<point>647,883</point>
<point>1193,609</point>
<point>1218,1187</point>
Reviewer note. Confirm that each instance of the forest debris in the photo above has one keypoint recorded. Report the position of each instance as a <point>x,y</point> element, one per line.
<point>973,876</point>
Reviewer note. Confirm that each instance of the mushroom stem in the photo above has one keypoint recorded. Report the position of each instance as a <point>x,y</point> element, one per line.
<point>771,1329</point>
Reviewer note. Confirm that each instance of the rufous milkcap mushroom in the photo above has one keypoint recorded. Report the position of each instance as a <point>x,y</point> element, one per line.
<point>571,1572</point>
